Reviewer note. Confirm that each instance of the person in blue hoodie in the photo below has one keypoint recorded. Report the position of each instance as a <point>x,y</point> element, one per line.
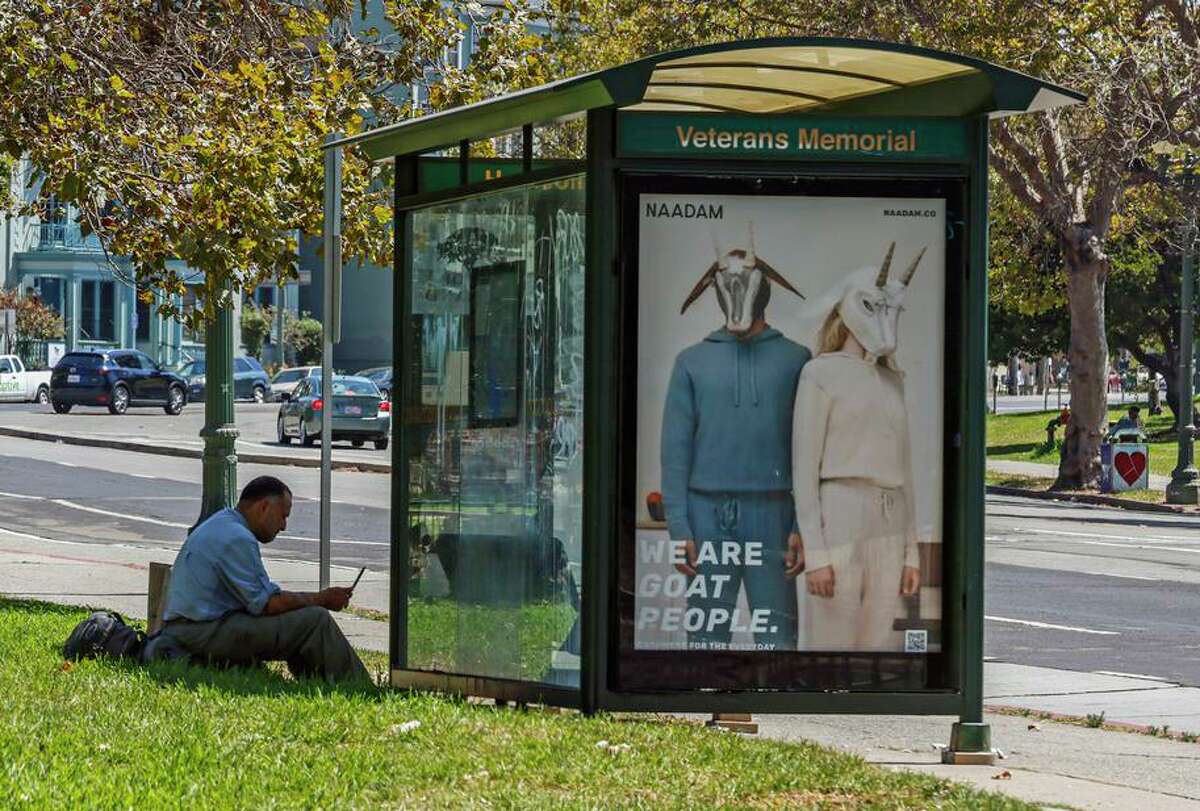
<point>727,463</point>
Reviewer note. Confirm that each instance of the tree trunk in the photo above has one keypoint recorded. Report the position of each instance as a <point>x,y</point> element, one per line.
<point>1087,275</point>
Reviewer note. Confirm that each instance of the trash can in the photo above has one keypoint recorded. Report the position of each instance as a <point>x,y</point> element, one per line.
<point>1125,465</point>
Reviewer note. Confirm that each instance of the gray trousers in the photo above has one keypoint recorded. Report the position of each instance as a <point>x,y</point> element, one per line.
<point>308,639</point>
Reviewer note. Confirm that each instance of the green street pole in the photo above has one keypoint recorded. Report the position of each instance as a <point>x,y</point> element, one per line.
<point>219,433</point>
<point>1184,488</point>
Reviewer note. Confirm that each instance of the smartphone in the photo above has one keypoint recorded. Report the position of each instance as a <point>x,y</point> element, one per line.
<point>360,574</point>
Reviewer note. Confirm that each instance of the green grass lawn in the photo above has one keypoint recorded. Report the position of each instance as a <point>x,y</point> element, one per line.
<point>103,734</point>
<point>1023,437</point>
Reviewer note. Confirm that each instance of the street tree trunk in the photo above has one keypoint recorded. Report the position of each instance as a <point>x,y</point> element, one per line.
<point>1087,275</point>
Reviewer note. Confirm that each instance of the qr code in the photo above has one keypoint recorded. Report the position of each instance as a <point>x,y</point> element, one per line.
<point>916,641</point>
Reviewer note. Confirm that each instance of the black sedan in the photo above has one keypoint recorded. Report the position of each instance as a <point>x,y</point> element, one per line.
<point>116,379</point>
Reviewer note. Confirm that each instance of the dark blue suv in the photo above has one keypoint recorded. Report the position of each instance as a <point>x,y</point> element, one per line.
<point>116,378</point>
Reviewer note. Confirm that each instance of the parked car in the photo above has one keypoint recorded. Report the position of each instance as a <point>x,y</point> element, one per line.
<point>285,380</point>
<point>381,376</point>
<point>20,384</point>
<point>359,413</point>
<point>250,381</point>
<point>116,378</point>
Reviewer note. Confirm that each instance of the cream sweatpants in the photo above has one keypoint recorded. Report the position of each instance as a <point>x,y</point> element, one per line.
<point>865,527</point>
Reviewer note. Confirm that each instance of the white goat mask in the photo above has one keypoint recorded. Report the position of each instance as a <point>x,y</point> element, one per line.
<point>742,282</point>
<point>871,304</point>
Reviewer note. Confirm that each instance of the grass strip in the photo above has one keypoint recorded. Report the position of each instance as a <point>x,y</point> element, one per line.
<point>1022,437</point>
<point>104,734</point>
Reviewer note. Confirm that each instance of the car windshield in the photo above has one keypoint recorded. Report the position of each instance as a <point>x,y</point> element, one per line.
<point>83,360</point>
<point>288,376</point>
<point>354,386</point>
<point>196,367</point>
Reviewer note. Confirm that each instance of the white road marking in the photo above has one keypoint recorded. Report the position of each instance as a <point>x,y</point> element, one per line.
<point>1123,576</point>
<point>1067,534</point>
<point>1129,675</point>
<point>144,519</point>
<point>176,525</point>
<point>1049,626</point>
<point>21,495</point>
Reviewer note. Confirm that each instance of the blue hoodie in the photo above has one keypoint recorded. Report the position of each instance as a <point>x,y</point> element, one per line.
<point>727,420</point>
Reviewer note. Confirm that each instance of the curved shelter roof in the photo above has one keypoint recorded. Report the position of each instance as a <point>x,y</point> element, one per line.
<point>765,76</point>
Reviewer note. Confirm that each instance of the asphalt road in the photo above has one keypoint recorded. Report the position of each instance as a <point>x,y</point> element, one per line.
<point>1072,587</point>
<point>1024,403</point>
<point>256,423</point>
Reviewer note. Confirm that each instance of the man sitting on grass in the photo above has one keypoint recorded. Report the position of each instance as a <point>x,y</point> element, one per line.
<point>222,607</point>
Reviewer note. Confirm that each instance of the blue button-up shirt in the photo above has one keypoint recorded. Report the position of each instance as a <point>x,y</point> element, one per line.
<point>218,571</point>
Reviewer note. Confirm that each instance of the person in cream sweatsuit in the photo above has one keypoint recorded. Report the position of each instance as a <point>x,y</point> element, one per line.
<point>852,472</point>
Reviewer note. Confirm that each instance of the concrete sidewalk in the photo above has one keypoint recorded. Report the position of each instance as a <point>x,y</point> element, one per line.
<point>1017,468</point>
<point>1056,764</point>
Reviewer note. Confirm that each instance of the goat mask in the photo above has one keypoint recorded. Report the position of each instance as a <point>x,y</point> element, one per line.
<point>743,284</point>
<point>871,303</point>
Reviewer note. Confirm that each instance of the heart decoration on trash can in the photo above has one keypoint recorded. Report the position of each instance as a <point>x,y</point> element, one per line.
<point>1131,466</point>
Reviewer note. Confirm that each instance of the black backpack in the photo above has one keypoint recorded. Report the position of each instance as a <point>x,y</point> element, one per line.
<point>104,634</point>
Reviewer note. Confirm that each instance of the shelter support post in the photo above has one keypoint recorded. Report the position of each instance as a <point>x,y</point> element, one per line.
<point>600,327</point>
<point>403,382</point>
<point>330,335</point>
<point>971,737</point>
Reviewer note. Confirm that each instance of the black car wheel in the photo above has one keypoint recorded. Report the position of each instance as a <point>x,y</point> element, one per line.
<point>61,408</point>
<point>175,399</point>
<point>305,439</point>
<point>260,394</point>
<point>381,444</point>
<point>283,438</point>
<point>358,443</point>
<point>43,395</point>
<point>120,400</point>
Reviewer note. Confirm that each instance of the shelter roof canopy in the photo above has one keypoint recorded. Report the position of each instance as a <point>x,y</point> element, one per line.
<point>767,76</point>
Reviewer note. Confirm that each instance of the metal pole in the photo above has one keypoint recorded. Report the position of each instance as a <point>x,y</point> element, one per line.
<point>331,332</point>
<point>1184,488</point>
<point>219,464</point>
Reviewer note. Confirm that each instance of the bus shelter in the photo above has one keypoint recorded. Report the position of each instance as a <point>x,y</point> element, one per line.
<point>690,383</point>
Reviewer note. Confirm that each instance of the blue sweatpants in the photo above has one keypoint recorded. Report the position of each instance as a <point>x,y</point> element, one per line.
<point>743,518</point>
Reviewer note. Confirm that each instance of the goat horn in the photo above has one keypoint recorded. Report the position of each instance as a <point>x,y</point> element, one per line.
<point>912,269</point>
<point>775,276</point>
<point>881,279</point>
<point>720,254</point>
<point>705,282</point>
<point>750,254</point>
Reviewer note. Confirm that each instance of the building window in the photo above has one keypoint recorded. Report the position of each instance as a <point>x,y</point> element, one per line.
<point>142,333</point>
<point>106,317</point>
<point>87,310</point>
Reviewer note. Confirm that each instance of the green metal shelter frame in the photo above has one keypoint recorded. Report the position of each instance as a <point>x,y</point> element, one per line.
<point>840,83</point>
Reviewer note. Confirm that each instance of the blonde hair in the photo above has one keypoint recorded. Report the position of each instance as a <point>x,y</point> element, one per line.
<point>833,333</point>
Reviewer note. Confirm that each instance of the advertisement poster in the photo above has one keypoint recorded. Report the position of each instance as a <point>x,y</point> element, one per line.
<point>789,423</point>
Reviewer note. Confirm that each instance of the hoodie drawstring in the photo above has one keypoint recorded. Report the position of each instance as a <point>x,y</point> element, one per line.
<point>737,374</point>
<point>753,377</point>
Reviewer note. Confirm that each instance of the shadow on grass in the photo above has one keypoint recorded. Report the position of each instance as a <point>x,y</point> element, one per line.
<point>1024,447</point>
<point>261,680</point>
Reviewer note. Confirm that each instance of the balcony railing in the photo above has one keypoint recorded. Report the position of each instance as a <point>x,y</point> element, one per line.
<point>65,236</point>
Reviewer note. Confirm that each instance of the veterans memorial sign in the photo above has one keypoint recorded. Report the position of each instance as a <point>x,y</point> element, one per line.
<point>789,137</point>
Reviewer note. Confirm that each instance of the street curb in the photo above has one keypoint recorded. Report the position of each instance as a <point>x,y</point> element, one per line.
<point>189,453</point>
<point>1080,720</point>
<point>1087,498</point>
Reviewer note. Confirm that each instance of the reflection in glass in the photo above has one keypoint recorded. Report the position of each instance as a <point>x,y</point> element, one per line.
<point>494,424</point>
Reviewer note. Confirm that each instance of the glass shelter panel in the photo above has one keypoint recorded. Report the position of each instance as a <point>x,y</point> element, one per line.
<point>494,425</point>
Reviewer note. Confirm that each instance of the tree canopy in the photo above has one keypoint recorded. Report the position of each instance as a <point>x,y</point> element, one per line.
<point>193,130</point>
